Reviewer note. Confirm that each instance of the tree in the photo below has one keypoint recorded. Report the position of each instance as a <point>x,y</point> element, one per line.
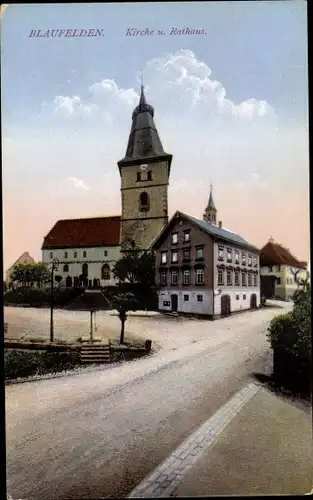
<point>124,302</point>
<point>29,274</point>
<point>136,266</point>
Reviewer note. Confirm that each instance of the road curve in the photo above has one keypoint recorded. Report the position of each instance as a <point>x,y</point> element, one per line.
<point>99,434</point>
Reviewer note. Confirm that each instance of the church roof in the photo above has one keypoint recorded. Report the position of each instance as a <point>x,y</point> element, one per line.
<point>273,253</point>
<point>210,228</point>
<point>90,232</point>
<point>144,142</point>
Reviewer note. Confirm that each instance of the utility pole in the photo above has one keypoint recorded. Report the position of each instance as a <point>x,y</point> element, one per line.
<point>55,263</point>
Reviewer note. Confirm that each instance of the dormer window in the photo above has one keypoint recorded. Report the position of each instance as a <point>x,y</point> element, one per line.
<point>144,202</point>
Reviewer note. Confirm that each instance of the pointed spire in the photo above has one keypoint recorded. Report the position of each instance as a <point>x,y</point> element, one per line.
<point>210,211</point>
<point>211,204</point>
<point>144,141</point>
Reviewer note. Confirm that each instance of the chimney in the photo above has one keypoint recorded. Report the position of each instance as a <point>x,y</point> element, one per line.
<point>219,223</point>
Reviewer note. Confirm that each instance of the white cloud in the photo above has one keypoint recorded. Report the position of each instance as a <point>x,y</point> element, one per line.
<point>73,106</point>
<point>176,83</point>
<point>76,183</point>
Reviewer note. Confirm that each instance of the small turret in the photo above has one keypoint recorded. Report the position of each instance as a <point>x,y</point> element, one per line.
<point>210,211</point>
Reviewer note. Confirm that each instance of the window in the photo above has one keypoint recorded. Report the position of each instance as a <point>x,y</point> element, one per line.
<point>249,279</point>
<point>138,176</point>
<point>166,303</point>
<point>199,276</point>
<point>174,238</point>
<point>244,296</point>
<point>249,260</point>
<point>163,278</point>
<point>174,275</point>
<point>149,175</point>
<point>229,277</point>
<point>278,281</point>
<point>278,268</point>
<point>186,236</point>
<point>65,255</point>
<point>186,254</point>
<point>84,253</point>
<point>199,253</point>
<point>229,254</point>
<point>270,269</point>
<point>243,279</point>
<point>186,277</point>
<point>174,256</point>
<point>105,253</point>
<point>75,255</point>
<point>220,277</point>
<point>105,272</point>
<point>236,278</point>
<point>199,298</point>
<point>255,262</point>
<point>237,296</point>
<point>163,257</point>
<point>243,259</point>
<point>51,255</point>
<point>236,257</point>
<point>220,253</point>
<point>255,280</point>
<point>65,268</point>
<point>144,202</point>
<point>186,298</point>
<point>85,269</point>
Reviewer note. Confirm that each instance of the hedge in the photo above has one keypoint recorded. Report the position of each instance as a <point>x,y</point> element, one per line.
<point>290,338</point>
<point>20,363</point>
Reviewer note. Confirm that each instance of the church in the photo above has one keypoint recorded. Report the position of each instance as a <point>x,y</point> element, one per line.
<point>87,248</point>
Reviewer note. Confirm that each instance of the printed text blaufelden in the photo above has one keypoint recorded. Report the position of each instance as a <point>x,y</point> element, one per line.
<point>66,33</point>
<point>173,31</point>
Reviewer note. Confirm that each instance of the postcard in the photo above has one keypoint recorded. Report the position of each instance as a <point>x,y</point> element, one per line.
<point>156,269</point>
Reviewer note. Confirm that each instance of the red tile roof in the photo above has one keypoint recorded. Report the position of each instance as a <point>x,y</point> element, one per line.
<point>91,232</point>
<point>273,253</point>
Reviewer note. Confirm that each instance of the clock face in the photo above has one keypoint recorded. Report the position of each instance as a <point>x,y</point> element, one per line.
<point>143,168</point>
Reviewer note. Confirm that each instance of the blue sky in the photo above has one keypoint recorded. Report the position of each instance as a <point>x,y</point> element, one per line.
<point>255,50</point>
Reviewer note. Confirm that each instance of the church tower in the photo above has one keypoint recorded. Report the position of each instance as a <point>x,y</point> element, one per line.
<point>210,211</point>
<point>144,172</point>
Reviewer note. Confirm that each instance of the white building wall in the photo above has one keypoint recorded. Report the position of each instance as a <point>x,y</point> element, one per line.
<point>192,306</point>
<point>95,258</point>
<point>239,297</point>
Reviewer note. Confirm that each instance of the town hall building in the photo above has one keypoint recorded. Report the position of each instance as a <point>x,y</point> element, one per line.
<point>87,248</point>
<point>205,269</point>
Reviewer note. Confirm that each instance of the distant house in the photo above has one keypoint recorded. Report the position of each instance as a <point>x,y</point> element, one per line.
<point>203,268</point>
<point>25,258</point>
<point>86,249</point>
<point>278,262</point>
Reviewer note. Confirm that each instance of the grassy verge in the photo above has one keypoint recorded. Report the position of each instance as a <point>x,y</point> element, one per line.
<point>22,363</point>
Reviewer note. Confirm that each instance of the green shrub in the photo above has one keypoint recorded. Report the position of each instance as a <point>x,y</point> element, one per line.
<point>282,334</point>
<point>24,363</point>
<point>292,332</point>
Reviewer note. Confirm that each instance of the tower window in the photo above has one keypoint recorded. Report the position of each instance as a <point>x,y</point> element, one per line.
<point>138,176</point>
<point>149,175</point>
<point>144,202</point>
